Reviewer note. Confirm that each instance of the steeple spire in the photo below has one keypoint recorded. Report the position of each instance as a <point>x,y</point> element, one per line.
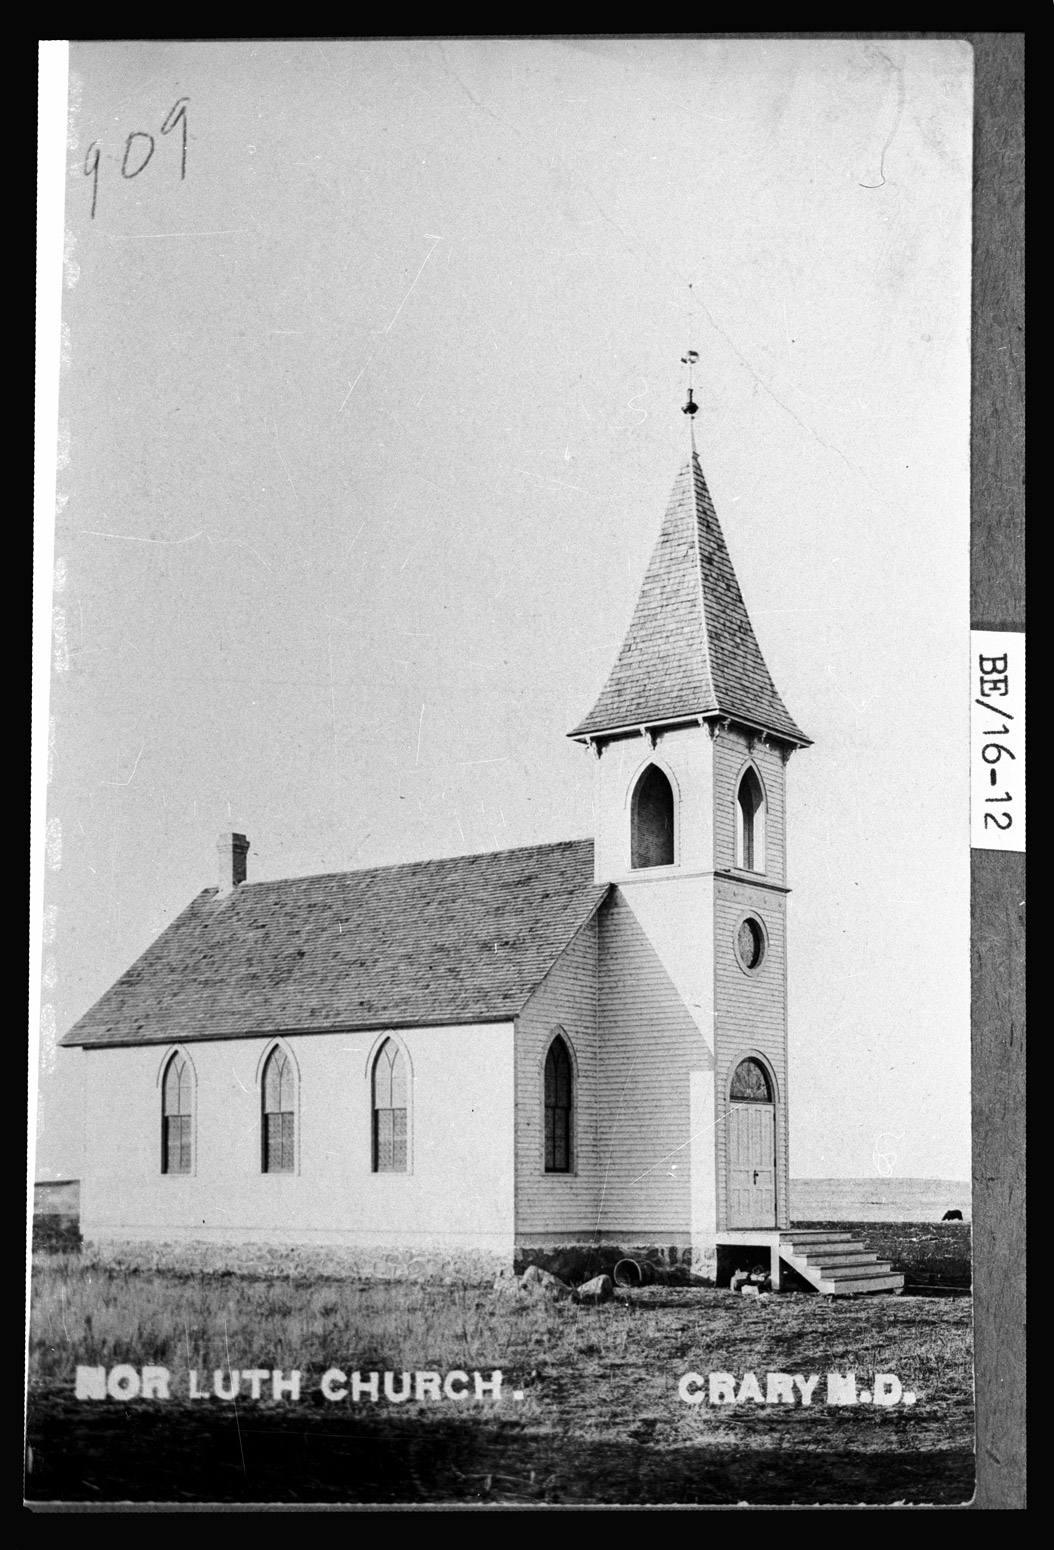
<point>690,650</point>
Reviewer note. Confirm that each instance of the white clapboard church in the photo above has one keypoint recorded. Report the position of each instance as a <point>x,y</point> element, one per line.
<point>579,1043</point>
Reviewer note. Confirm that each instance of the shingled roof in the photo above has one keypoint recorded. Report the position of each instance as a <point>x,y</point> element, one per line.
<point>460,940</point>
<point>690,649</point>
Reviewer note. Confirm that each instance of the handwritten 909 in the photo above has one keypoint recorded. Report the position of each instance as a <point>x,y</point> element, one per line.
<point>139,150</point>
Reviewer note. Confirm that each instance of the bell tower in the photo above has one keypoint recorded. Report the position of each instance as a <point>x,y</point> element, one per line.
<point>691,740</point>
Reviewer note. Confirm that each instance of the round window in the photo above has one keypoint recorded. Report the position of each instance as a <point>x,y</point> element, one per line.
<point>750,942</point>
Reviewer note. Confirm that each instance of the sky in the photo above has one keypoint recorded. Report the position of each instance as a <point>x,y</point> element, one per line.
<point>369,410</point>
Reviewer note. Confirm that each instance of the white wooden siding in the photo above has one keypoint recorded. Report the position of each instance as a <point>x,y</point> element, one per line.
<point>649,1045</point>
<point>457,1193</point>
<point>732,749</point>
<point>750,1016</point>
<point>560,1207</point>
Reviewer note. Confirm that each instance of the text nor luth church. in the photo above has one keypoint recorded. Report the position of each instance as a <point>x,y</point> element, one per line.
<point>573,1044</point>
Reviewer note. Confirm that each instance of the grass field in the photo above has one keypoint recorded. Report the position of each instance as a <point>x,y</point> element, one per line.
<point>600,1420</point>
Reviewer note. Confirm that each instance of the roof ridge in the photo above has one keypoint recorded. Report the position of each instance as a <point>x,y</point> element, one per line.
<point>602,892</point>
<point>396,866</point>
<point>696,467</point>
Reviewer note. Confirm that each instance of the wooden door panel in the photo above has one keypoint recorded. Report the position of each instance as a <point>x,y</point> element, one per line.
<point>751,1165</point>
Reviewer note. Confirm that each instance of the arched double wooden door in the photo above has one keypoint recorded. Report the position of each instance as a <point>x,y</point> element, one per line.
<point>751,1147</point>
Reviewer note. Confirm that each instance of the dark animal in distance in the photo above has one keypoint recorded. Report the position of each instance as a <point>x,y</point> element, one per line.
<point>952,1216</point>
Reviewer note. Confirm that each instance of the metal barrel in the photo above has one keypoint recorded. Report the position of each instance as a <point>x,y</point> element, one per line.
<point>640,1272</point>
<point>628,1273</point>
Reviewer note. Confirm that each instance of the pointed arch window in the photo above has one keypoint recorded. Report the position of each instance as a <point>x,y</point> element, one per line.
<point>750,823</point>
<point>389,1109</point>
<point>279,1113</point>
<point>559,1107</point>
<point>651,820</point>
<point>177,1116</point>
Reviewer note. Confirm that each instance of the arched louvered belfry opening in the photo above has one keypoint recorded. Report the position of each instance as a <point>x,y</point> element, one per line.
<point>177,1116</point>
<point>750,823</point>
<point>279,1113</point>
<point>389,1098</point>
<point>651,820</point>
<point>559,1107</point>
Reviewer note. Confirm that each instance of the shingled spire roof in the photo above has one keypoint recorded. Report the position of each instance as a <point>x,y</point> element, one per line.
<point>690,649</point>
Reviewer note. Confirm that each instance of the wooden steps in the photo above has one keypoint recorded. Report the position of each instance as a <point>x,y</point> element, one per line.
<point>837,1264</point>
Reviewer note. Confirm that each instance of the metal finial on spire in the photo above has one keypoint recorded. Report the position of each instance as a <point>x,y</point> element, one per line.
<point>690,408</point>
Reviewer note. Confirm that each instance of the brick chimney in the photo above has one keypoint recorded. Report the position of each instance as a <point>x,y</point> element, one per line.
<point>233,849</point>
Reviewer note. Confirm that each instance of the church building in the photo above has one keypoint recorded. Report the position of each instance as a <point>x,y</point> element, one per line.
<point>581,1043</point>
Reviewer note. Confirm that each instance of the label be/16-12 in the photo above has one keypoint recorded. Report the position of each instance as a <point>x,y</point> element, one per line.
<point>997,754</point>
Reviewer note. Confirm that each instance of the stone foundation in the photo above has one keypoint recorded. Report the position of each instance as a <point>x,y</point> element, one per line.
<point>573,1263</point>
<point>296,1261</point>
<point>578,1262</point>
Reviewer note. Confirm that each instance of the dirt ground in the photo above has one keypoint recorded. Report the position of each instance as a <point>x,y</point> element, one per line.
<point>601,1420</point>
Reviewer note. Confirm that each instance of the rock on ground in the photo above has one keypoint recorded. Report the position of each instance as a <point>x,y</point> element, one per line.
<point>541,1283</point>
<point>600,1289</point>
